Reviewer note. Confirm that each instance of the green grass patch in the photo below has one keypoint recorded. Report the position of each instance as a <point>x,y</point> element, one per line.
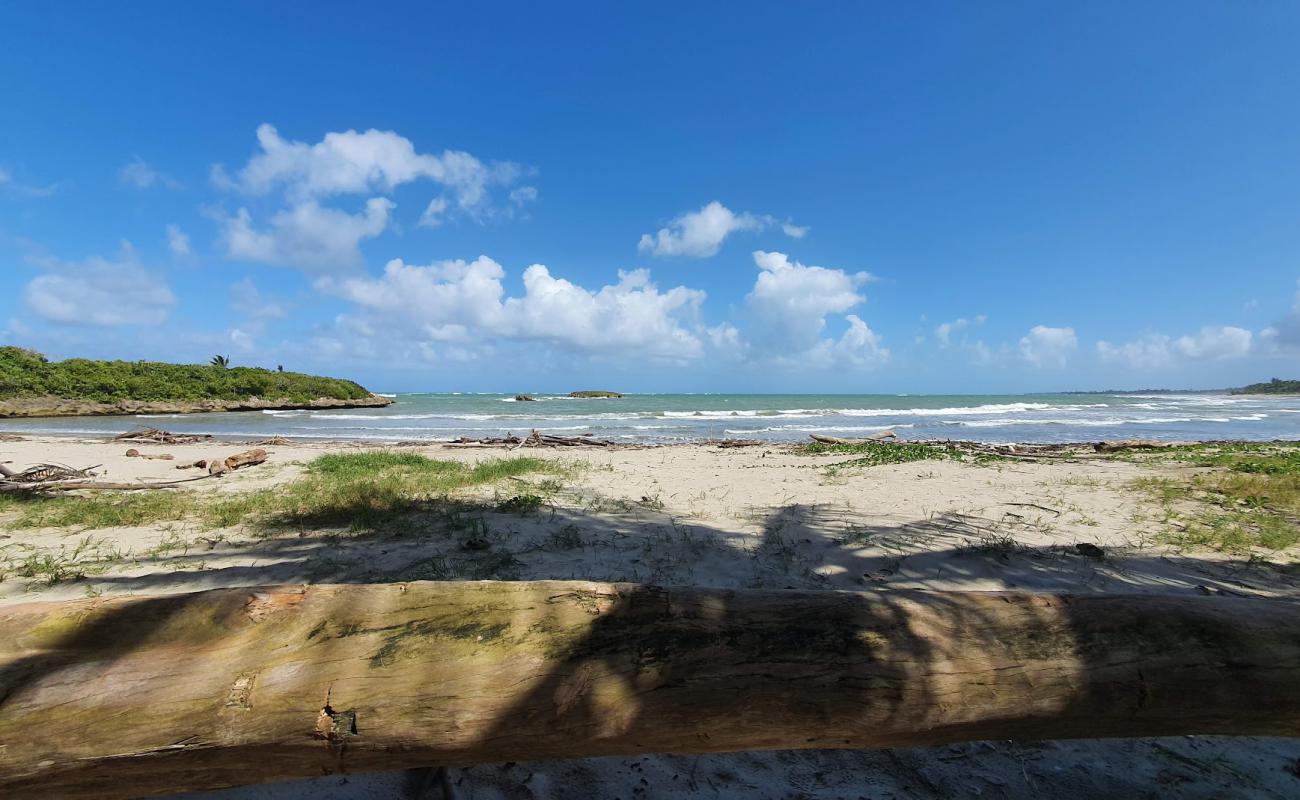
<point>874,454</point>
<point>359,491</point>
<point>1248,499</point>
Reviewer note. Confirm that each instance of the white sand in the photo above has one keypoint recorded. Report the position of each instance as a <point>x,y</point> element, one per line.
<point>745,517</point>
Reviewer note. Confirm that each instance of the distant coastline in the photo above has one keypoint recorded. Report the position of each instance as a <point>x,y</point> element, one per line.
<point>33,386</point>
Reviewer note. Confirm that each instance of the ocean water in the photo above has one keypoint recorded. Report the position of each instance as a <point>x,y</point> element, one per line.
<point>667,418</point>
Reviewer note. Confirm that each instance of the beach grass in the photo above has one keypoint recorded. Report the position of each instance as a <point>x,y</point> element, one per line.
<point>1248,498</point>
<point>358,491</point>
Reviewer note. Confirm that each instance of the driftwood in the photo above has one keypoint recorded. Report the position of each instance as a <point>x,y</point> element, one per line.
<point>534,439</point>
<point>737,442</point>
<point>136,696</point>
<point>45,473</point>
<point>159,436</point>
<point>273,441</point>
<point>231,463</point>
<point>1137,444</point>
<point>875,437</point>
<point>200,464</point>
<point>11,437</point>
<point>133,453</point>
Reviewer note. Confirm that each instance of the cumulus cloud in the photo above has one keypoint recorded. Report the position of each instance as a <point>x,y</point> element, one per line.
<point>1216,343</point>
<point>1044,346</point>
<point>310,236</point>
<point>1156,350</point>
<point>459,301</point>
<point>858,345</point>
<point>1285,333</point>
<point>141,175</point>
<point>352,162</point>
<point>177,241</point>
<point>790,301</point>
<point>700,234</point>
<point>99,291</point>
<point>943,333</point>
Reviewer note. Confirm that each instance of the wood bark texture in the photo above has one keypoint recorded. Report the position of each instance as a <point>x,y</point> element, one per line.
<point>135,696</point>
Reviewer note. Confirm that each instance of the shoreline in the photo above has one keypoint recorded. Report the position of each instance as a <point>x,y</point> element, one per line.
<point>714,443</point>
<point>63,408</point>
<point>684,514</point>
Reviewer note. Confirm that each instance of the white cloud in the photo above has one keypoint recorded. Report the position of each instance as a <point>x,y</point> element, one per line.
<point>7,182</point>
<point>458,301</point>
<point>943,333</point>
<point>249,302</point>
<point>700,234</point>
<point>790,301</point>
<point>432,216</point>
<point>523,195</point>
<point>859,346</point>
<point>794,231</point>
<point>178,241</point>
<point>1285,333</point>
<point>1044,346</point>
<point>352,162</point>
<point>1157,351</point>
<point>1151,351</point>
<point>141,175</point>
<point>310,236</point>
<point>1217,343</point>
<point>99,292</point>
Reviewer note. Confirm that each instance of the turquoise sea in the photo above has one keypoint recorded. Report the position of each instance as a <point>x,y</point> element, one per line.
<point>666,418</point>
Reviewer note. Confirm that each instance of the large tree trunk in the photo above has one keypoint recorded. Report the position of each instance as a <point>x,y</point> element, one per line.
<point>134,696</point>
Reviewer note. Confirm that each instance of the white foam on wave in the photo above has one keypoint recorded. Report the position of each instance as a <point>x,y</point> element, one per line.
<point>815,428</point>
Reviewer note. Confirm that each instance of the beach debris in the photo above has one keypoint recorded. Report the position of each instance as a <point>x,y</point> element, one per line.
<point>200,464</point>
<point>1035,505</point>
<point>534,439</point>
<point>1137,444</point>
<point>875,437</point>
<point>62,478</point>
<point>159,436</point>
<point>1090,550</point>
<point>133,453</point>
<point>11,437</point>
<point>231,463</point>
<point>523,398</point>
<point>273,441</point>
<point>45,473</point>
<point>736,442</point>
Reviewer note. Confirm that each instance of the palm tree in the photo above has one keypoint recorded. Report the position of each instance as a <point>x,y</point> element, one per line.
<point>221,361</point>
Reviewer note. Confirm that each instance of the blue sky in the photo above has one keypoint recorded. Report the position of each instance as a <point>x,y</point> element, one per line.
<point>684,197</point>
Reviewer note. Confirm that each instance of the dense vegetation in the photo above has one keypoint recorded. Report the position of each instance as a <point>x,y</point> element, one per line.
<point>26,373</point>
<point>1275,386</point>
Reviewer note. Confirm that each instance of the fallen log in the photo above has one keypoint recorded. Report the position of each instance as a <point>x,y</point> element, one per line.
<point>875,437</point>
<point>248,458</point>
<point>159,436</point>
<point>135,696</point>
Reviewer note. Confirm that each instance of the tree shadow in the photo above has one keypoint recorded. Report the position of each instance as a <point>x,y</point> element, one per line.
<point>659,665</point>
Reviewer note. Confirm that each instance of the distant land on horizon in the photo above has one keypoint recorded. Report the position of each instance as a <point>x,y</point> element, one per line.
<point>33,386</point>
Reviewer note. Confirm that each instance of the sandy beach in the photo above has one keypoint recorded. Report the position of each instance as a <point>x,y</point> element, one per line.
<point>766,516</point>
